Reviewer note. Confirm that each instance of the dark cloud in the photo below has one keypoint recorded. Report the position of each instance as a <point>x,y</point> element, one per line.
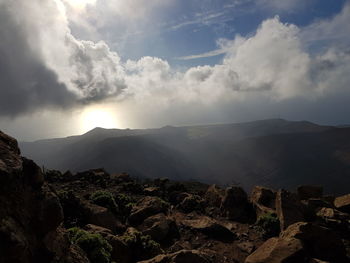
<point>26,83</point>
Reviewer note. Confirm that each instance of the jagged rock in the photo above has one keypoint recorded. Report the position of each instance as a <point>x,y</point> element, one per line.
<point>318,242</point>
<point>288,208</point>
<point>263,200</point>
<point>264,196</point>
<point>100,216</point>
<point>276,250</point>
<point>309,191</point>
<point>192,203</point>
<point>342,203</point>
<point>235,204</point>
<point>213,196</point>
<point>210,227</point>
<point>152,191</point>
<point>30,211</point>
<point>182,256</point>
<point>158,227</point>
<point>146,207</point>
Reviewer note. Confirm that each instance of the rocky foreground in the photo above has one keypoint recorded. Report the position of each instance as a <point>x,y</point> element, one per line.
<point>47,216</point>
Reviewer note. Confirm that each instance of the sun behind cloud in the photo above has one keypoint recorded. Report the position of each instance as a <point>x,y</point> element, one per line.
<point>79,4</point>
<point>98,117</point>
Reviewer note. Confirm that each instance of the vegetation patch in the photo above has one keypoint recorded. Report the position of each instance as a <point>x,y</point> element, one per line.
<point>97,249</point>
<point>269,224</point>
<point>143,246</point>
<point>105,199</point>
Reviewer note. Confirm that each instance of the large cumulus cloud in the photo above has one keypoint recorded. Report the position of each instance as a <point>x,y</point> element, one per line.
<point>43,65</point>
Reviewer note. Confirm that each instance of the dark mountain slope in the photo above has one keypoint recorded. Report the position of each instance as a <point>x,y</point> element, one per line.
<point>277,153</point>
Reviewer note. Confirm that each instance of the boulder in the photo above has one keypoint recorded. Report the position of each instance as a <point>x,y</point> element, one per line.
<point>182,256</point>
<point>309,191</point>
<point>235,205</point>
<point>192,203</point>
<point>276,250</point>
<point>100,216</point>
<point>288,208</point>
<point>319,242</point>
<point>263,200</point>
<point>213,196</point>
<point>342,203</point>
<point>147,207</point>
<point>210,227</point>
<point>159,227</point>
<point>263,196</point>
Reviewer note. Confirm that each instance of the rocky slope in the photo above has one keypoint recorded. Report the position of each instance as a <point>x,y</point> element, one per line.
<point>96,217</point>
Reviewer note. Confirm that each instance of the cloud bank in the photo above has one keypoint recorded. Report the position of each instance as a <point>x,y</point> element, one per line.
<point>43,65</point>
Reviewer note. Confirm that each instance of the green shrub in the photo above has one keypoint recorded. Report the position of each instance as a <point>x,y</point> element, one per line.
<point>97,249</point>
<point>143,246</point>
<point>105,199</point>
<point>269,224</point>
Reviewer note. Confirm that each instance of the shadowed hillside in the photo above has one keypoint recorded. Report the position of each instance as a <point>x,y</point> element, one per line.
<point>276,153</point>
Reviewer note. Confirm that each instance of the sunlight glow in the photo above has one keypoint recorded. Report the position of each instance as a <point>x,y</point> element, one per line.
<point>98,117</point>
<point>80,4</point>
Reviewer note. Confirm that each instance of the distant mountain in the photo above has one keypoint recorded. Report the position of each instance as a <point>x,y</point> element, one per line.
<point>276,153</point>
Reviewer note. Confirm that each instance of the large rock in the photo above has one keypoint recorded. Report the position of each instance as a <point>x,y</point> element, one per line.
<point>276,250</point>
<point>213,196</point>
<point>343,203</point>
<point>182,256</point>
<point>30,212</point>
<point>159,227</point>
<point>319,242</point>
<point>263,200</point>
<point>146,207</point>
<point>100,216</point>
<point>289,209</point>
<point>210,227</point>
<point>192,203</point>
<point>301,242</point>
<point>309,191</point>
<point>235,204</point>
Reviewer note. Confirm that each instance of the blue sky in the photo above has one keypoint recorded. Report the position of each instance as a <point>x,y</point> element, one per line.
<point>189,27</point>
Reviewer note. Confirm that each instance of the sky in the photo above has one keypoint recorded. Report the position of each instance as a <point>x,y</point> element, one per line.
<point>67,66</point>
